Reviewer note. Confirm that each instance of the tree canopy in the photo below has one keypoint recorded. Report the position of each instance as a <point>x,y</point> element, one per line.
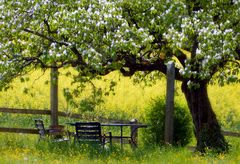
<point>100,36</point>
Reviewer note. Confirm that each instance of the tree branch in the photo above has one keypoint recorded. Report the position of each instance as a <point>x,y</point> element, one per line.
<point>79,56</point>
<point>238,53</point>
<point>135,65</point>
<point>181,57</point>
<point>36,60</point>
<point>194,46</point>
<point>48,27</point>
<point>51,39</point>
<point>74,63</point>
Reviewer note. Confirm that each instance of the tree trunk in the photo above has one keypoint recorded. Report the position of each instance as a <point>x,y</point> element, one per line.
<point>207,130</point>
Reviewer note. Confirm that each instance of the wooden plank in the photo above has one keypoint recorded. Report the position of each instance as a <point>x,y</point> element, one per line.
<point>38,111</point>
<point>25,111</point>
<point>232,134</point>
<point>99,119</point>
<point>19,130</point>
<point>62,114</point>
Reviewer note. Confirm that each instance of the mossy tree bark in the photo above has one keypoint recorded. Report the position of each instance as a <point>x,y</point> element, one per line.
<point>207,129</point>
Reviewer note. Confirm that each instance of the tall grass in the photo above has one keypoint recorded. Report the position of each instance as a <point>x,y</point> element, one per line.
<point>16,149</point>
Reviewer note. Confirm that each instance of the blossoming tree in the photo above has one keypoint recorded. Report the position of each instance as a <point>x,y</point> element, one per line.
<point>100,36</point>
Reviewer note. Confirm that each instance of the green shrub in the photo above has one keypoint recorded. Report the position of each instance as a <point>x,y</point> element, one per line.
<point>155,117</point>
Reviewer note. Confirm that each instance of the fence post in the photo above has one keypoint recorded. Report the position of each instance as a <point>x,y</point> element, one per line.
<point>168,136</point>
<point>54,96</point>
<point>134,133</point>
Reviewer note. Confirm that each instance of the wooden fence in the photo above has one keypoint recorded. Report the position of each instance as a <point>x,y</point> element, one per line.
<point>48,112</point>
<point>70,115</point>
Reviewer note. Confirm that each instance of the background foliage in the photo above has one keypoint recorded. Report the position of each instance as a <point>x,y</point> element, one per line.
<point>155,117</point>
<point>129,101</point>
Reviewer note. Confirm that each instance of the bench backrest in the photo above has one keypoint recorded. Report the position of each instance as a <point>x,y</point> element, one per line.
<point>40,127</point>
<point>88,132</point>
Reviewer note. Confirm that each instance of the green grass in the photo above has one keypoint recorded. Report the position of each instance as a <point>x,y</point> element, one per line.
<point>16,149</point>
<point>130,101</point>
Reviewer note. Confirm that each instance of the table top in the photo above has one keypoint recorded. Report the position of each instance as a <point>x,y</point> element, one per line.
<point>114,124</point>
<point>123,124</point>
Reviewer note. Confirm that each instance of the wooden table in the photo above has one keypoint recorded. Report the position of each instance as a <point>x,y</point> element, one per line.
<point>133,134</point>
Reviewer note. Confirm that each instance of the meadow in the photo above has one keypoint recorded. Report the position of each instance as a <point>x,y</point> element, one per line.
<point>128,101</point>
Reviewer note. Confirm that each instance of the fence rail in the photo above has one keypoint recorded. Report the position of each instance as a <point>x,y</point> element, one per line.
<point>232,134</point>
<point>18,130</point>
<point>61,114</point>
<point>25,111</point>
<point>70,115</point>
